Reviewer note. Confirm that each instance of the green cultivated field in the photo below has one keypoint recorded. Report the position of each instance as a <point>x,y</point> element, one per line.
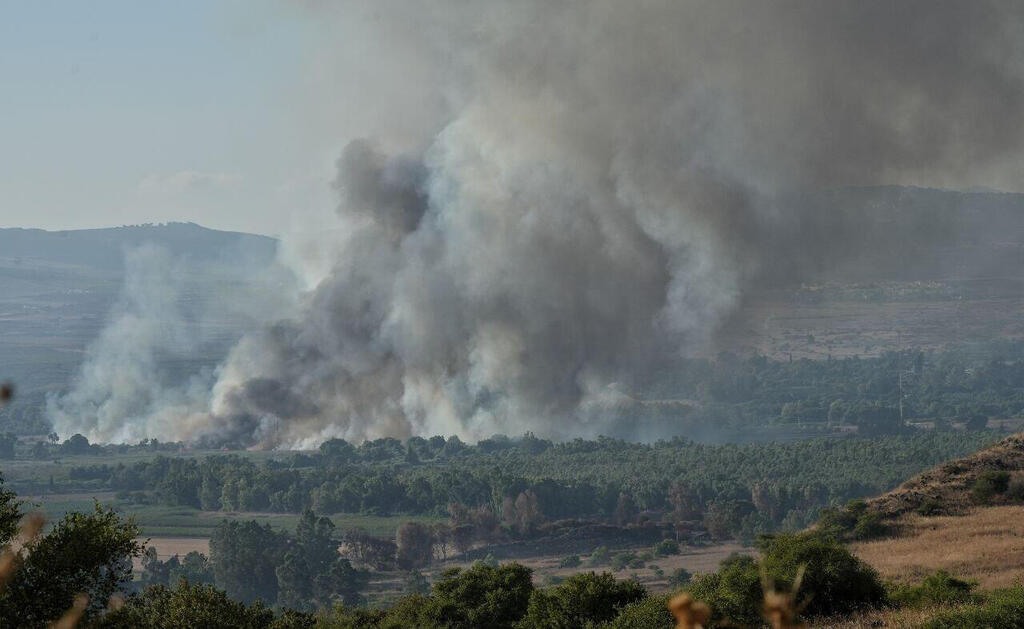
<point>163,521</point>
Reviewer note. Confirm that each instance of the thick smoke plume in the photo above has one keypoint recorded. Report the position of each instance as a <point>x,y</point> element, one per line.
<point>589,188</point>
<point>150,371</point>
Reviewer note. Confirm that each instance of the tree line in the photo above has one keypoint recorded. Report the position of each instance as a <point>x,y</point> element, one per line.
<point>731,489</point>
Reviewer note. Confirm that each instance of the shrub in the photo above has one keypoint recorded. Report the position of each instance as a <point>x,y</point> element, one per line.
<point>930,506</point>
<point>840,583</point>
<point>680,577</point>
<point>665,548</point>
<point>580,601</point>
<point>869,525</point>
<point>186,605</point>
<point>650,613</point>
<point>1003,610</point>
<point>625,559</point>
<point>733,593</point>
<point>988,485</point>
<point>1015,490</point>
<point>936,589</point>
<point>835,580</point>
<point>854,521</point>
<point>599,557</point>
<point>482,596</point>
<point>571,561</point>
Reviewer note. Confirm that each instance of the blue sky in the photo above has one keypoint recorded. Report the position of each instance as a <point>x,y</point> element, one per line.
<point>123,112</point>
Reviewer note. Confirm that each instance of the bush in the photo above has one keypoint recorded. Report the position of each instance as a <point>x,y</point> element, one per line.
<point>988,485</point>
<point>186,605</point>
<point>482,596</point>
<point>936,589</point>
<point>599,557</point>
<point>1015,490</point>
<point>665,548</point>
<point>840,583</point>
<point>855,521</point>
<point>733,593</point>
<point>869,526</point>
<point>1003,610</point>
<point>835,580</point>
<point>581,600</point>
<point>930,506</point>
<point>572,561</point>
<point>625,559</point>
<point>650,613</point>
<point>680,577</point>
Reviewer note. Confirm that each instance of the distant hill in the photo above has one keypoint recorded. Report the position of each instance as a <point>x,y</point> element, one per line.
<point>104,249</point>
<point>57,288</point>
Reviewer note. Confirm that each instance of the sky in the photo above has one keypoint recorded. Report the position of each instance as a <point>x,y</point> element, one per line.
<point>228,113</point>
<point>118,112</point>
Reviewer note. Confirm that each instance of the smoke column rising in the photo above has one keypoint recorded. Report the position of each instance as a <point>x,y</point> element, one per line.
<point>584,188</point>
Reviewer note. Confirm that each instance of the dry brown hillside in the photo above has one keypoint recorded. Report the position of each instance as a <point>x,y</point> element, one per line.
<point>983,542</point>
<point>947,487</point>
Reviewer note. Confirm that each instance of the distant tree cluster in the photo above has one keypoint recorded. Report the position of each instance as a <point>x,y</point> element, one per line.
<point>304,571</point>
<point>510,488</point>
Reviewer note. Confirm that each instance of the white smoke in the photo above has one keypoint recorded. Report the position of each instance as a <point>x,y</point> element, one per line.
<point>151,370</point>
<point>588,188</point>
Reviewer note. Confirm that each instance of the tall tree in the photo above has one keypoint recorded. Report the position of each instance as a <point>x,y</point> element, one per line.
<point>245,556</point>
<point>88,553</point>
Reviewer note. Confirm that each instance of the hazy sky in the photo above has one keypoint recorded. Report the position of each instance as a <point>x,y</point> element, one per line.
<point>119,112</point>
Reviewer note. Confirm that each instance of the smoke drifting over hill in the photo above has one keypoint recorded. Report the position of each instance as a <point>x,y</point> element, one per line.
<point>585,189</point>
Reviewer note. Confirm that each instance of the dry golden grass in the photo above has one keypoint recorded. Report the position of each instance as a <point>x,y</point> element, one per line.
<point>985,544</point>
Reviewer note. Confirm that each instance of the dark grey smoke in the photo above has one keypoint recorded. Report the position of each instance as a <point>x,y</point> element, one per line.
<point>600,184</point>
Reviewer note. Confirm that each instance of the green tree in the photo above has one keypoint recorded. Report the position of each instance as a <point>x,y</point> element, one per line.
<point>415,542</point>
<point>649,613</point>
<point>75,444</point>
<point>88,553</point>
<point>245,556</point>
<point>10,513</point>
<point>482,596</point>
<point>988,485</point>
<point>835,582</point>
<point>680,577</point>
<point>581,600</point>
<point>187,606</point>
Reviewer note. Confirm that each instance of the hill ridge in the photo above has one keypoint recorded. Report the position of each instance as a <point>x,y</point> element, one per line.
<point>947,486</point>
